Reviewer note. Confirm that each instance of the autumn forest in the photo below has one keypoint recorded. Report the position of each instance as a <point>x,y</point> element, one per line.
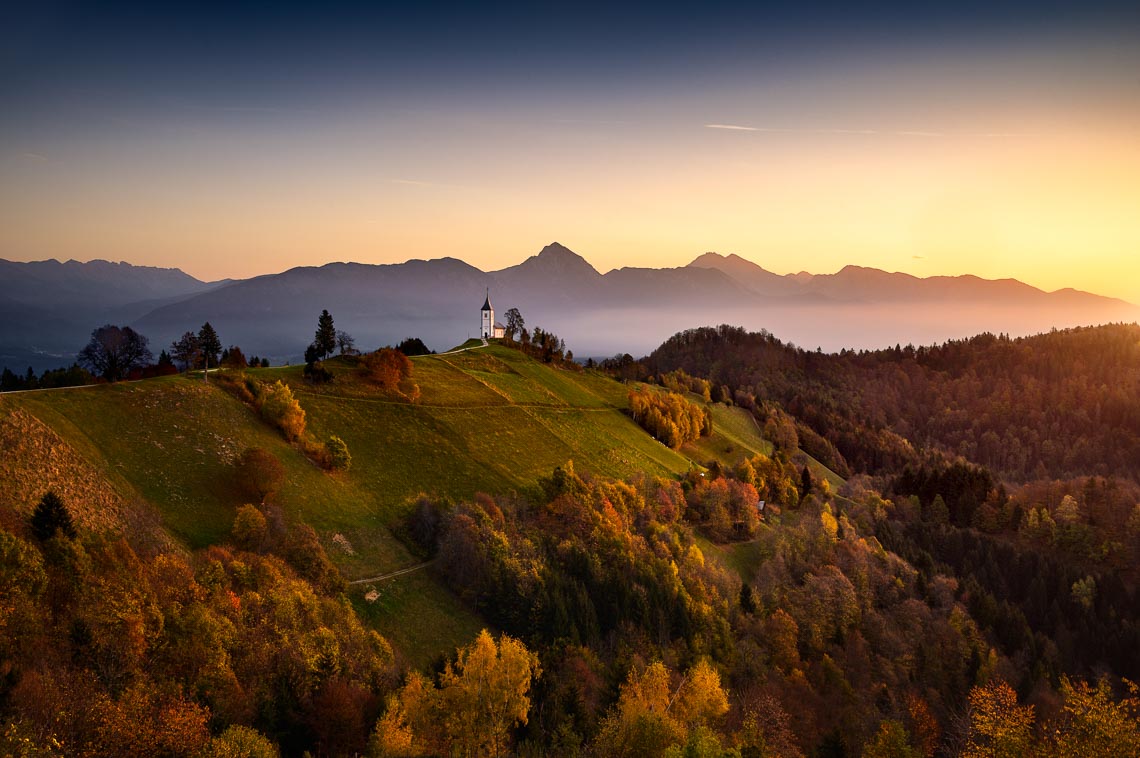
<point>933,553</point>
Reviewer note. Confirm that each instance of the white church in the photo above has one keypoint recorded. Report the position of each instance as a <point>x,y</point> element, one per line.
<point>488,326</point>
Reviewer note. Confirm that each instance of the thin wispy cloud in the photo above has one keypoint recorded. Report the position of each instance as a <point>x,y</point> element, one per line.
<point>929,134</point>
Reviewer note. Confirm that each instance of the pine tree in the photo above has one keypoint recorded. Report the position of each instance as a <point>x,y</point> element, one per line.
<point>210,344</point>
<point>51,516</point>
<point>938,512</point>
<point>325,339</point>
<point>10,381</point>
<point>747,600</point>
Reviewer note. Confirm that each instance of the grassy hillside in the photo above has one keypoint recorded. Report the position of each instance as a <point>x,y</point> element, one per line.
<point>488,420</point>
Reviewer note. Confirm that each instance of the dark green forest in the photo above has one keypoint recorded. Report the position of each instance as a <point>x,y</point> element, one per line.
<point>1056,405</point>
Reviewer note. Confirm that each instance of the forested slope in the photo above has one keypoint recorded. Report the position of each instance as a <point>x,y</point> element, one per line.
<point>1057,405</point>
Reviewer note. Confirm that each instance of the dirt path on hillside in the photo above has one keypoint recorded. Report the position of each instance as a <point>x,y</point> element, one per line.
<point>465,349</point>
<point>393,574</point>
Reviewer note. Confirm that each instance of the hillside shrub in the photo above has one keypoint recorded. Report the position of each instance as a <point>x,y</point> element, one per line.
<point>386,368</point>
<point>337,453</point>
<point>304,553</point>
<point>316,373</point>
<point>259,473</point>
<point>280,408</point>
<point>424,524</point>
<point>250,530</point>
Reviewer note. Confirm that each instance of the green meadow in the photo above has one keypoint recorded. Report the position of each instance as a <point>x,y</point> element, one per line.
<point>485,420</point>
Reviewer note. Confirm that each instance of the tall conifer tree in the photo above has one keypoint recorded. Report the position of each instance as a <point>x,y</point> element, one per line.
<point>325,339</point>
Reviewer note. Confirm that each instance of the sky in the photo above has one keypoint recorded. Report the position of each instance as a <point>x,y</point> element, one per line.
<point>235,139</point>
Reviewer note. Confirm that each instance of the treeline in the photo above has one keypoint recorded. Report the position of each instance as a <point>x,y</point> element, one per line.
<point>1055,405</point>
<point>546,346</point>
<point>49,379</point>
<point>117,353</point>
<point>538,343</point>
<point>669,416</point>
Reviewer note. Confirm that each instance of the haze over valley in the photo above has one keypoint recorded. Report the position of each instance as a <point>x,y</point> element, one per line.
<point>50,308</point>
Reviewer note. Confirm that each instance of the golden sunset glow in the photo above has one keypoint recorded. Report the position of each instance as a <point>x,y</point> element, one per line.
<point>1018,160</point>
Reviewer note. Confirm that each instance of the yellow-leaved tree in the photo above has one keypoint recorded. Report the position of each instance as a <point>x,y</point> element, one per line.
<point>892,741</point>
<point>479,700</point>
<point>999,727</point>
<point>653,713</point>
<point>1094,723</point>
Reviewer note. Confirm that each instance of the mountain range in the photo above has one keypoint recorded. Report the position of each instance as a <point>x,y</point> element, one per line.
<point>48,309</point>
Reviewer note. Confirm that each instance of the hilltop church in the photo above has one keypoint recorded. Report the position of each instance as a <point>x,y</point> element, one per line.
<point>488,326</point>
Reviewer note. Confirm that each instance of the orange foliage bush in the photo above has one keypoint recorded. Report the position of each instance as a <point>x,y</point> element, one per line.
<point>386,368</point>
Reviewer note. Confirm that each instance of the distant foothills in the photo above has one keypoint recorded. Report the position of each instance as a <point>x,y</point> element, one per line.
<point>48,309</point>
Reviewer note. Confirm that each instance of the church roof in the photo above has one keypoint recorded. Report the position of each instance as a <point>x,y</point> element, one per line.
<point>487,303</point>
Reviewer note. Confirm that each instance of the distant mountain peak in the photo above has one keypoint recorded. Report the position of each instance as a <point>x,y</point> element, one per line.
<point>708,260</point>
<point>731,262</point>
<point>556,251</point>
<point>711,260</point>
<point>757,278</point>
<point>557,248</point>
<point>557,260</point>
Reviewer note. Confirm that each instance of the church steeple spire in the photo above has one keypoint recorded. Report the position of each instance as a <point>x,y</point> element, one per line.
<point>487,317</point>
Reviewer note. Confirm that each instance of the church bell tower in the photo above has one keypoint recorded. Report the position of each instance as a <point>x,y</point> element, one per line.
<point>487,318</point>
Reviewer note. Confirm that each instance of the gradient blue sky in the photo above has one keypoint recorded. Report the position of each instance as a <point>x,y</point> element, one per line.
<point>232,139</point>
